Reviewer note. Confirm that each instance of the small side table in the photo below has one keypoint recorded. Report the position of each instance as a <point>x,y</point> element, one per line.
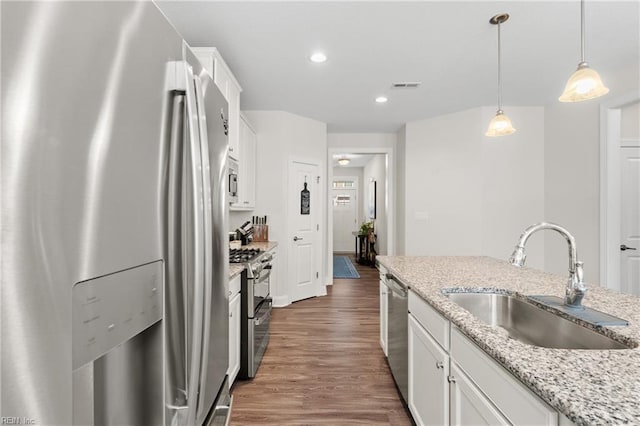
<point>365,249</point>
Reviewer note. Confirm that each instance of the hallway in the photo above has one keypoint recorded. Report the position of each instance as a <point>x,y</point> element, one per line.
<point>324,364</point>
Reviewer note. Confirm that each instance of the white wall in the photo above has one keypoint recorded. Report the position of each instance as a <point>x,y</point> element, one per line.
<point>572,164</point>
<point>376,169</point>
<point>401,163</point>
<point>513,184</point>
<point>361,140</point>
<point>467,194</point>
<point>283,136</point>
<point>630,118</point>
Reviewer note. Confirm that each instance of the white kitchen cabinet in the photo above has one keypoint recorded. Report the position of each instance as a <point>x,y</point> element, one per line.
<point>513,399</point>
<point>453,381</point>
<point>234,329</point>
<point>428,372</point>
<point>468,405</point>
<point>384,316</point>
<point>227,84</point>
<point>246,167</point>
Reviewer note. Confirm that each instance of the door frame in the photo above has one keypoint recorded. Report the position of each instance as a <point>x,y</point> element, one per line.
<point>610,185</point>
<point>321,237</point>
<point>390,198</point>
<point>330,192</point>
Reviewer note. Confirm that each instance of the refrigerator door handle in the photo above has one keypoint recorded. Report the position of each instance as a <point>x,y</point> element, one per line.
<point>208,240</point>
<point>176,292</point>
<point>198,232</point>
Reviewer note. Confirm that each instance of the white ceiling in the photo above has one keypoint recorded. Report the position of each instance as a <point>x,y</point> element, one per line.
<point>447,45</point>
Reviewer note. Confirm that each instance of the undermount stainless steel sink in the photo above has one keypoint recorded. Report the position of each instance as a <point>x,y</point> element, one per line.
<point>530,324</point>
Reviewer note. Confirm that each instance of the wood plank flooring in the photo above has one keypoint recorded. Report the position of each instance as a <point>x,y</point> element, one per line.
<point>324,364</point>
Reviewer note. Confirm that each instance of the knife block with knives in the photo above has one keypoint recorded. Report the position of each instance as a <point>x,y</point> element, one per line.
<point>260,229</point>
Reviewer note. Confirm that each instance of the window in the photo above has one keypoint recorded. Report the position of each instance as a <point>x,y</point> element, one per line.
<point>346,184</point>
<point>342,200</point>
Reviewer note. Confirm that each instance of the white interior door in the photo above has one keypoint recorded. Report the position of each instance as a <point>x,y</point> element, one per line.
<point>345,214</point>
<point>630,220</point>
<point>304,265</point>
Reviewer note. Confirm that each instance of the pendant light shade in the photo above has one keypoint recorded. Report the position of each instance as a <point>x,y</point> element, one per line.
<point>585,83</point>
<point>500,125</point>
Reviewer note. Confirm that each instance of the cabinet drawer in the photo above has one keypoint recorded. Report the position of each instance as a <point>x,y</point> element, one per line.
<point>430,319</point>
<point>513,399</point>
<point>234,286</point>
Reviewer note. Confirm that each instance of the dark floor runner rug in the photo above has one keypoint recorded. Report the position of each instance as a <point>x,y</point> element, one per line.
<point>343,268</point>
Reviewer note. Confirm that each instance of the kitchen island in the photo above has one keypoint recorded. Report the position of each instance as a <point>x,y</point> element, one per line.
<point>586,386</point>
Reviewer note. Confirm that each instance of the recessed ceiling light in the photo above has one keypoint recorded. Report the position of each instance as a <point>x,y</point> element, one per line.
<point>381,99</point>
<point>318,57</point>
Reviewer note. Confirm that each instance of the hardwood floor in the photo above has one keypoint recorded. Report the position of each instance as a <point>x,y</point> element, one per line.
<point>324,364</point>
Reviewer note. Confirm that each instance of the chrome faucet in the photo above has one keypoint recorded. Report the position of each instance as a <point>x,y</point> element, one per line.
<point>575,286</point>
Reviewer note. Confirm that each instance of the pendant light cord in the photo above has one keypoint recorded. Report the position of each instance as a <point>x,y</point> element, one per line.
<point>581,31</point>
<point>499,74</point>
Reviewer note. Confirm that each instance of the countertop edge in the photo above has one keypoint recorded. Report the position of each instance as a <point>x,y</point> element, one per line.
<point>482,335</point>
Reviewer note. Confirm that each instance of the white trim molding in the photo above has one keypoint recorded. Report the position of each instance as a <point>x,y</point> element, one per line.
<point>610,116</point>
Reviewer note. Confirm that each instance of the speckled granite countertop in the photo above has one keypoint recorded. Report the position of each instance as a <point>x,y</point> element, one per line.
<point>587,386</point>
<point>235,269</point>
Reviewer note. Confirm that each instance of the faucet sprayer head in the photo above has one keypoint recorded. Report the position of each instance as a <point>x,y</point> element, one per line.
<point>518,257</point>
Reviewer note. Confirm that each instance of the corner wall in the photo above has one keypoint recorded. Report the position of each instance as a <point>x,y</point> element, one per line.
<point>467,194</point>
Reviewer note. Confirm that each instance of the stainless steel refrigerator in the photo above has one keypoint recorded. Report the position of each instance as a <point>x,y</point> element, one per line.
<point>113,304</point>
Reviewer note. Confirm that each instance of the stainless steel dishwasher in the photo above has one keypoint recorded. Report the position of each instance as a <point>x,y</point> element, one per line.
<point>398,334</point>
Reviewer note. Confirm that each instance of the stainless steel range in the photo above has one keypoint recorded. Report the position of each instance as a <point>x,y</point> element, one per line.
<point>255,300</point>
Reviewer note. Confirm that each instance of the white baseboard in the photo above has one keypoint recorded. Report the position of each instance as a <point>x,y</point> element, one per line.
<point>280,301</point>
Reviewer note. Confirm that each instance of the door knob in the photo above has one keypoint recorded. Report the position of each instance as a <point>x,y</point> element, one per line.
<point>624,247</point>
<point>439,365</point>
<point>297,239</point>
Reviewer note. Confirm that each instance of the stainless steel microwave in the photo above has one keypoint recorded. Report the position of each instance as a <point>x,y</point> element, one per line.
<point>233,181</point>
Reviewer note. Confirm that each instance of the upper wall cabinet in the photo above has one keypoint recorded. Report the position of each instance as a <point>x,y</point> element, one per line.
<point>230,88</point>
<point>246,167</point>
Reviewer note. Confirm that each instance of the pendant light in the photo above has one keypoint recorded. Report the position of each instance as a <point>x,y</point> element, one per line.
<point>500,125</point>
<point>584,83</point>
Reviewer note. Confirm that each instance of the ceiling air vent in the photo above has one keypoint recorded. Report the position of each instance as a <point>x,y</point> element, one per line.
<point>406,85</point>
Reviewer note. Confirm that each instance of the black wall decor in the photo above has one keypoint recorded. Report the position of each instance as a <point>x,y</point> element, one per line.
<point>305,200</point>
<point>373,199</point>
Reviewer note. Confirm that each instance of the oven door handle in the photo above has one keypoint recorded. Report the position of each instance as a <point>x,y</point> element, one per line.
<point>264,317</point>
<point>262,276</point>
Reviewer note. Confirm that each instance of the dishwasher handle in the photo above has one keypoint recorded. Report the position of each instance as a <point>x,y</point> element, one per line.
<point>395,286</point>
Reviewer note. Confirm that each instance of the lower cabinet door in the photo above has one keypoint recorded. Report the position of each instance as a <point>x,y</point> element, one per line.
<point>234,338</point>
<point>468,405</point>
<point>428,371</point>
<point>384,313</point>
